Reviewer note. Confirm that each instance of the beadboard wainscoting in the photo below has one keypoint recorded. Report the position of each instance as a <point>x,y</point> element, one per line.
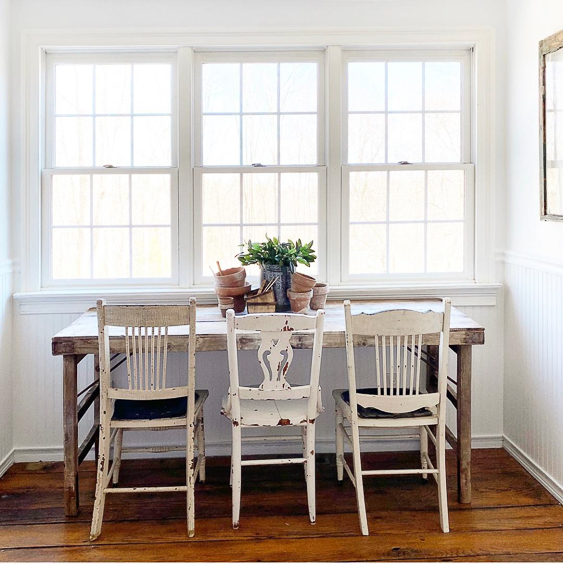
<point>38,387</point>
<point>6,398</point>
<point>533,389</point>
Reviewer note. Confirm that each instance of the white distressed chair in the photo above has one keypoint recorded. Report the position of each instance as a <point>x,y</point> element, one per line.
<point>397,400</point>
<point>147,402</point>
<point>275,402</point>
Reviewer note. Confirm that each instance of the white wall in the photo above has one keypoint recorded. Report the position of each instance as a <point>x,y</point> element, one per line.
<point>6,275</point>
<point>38,417</point>
<point>533,391</point>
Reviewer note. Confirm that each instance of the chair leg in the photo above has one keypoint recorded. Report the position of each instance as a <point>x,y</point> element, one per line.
<point>304,447</point>
<point>339,446</point>
<point>117,450</point>
<point>310,471</point>
<point>102,474</point>
<point>201,448</point>
<point>190,478</point>
<point>359,479</point>
<point>442,486</point>
<point>424,450</point>
<point>236,470</point>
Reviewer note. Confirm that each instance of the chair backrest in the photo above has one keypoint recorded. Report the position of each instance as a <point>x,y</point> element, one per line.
<point>398,336</point>
<point>274,357</point>
<point>145,330</point>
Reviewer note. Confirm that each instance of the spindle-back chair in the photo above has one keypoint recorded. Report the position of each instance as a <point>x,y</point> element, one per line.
<point>148,401</point>
<point>275,402</point>
<point>398,398</point>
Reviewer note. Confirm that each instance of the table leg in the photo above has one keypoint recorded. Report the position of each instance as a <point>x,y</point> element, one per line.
<point>97,407</point>
<point>70,422</point>
<point>464,423</point>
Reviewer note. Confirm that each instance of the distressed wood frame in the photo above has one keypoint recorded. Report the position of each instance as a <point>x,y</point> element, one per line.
<point>547,46</point>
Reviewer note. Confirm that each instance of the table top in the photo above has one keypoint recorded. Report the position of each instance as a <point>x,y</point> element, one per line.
<point>81,337</point>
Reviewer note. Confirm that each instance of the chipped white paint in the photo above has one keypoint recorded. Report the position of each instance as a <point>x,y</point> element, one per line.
<point>274,402</point>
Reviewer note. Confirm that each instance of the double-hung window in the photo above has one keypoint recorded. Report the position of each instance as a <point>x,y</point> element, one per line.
<point>259,153</point>
<point>407,178</point>
<point>110,180</point>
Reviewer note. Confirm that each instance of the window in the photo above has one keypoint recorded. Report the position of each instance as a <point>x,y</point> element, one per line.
<point>151,177</point>
<point>408,181</point>
<point>111,179</point>
<point>259,151</point>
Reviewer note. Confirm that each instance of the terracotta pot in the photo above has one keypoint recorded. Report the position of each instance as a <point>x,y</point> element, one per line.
<point>231,277</point>
<point>302,282</point>
<point>235,292</point>
<point>225,304</point>
<point>299,300</point>
<point>320,293</point>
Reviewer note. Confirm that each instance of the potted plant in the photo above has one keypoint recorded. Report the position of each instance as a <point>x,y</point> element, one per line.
<point>277,259</point>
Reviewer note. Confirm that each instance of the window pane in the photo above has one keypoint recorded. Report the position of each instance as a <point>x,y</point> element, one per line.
<point>220,244</point>
<point>443,138</point>
<point>443,86</point>
<point>405,138</point>
<point>221,140</point>
<point>113,89</point>
<point>260,198</point>
<point>73,145</point>
<point>111,199</point>
<point>368,196</point>
<point>152,141</point>
<point>366,138</point>
<point>221,198</point>
<point>151,252</point>
<point>368,244</point>
<point>366,87</point>
<point>260,87</point>
<point>404,86</point>
<point>150,199</point>
<point>299,194</point>
<point>406,248</point>
<point>74,89</point>
<point>221,87</point>
<point>111,252</point>
<point>260,140</point>
<point>445,247</point>
<point>298,139</point>
<point>406,195</point>
<point>298,87</point>
<point>146,98</point>
<point>70,253</point>
<point>70,200</point>
<point>113,141</point>
<point>446,194</point>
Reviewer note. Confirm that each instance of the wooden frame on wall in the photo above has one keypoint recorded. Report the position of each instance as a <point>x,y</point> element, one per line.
<point>551,127</point>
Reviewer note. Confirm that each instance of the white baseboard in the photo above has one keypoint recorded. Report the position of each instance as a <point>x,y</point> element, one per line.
<point>545,479</point>
<point>257,445</point>
<point>6,462</point>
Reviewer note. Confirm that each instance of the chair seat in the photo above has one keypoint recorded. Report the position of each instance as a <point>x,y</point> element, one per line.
<point>374,413</point>
<point>134,410</point>
<point>270,413</point>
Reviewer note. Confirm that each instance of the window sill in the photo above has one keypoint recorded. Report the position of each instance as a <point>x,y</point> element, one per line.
<point>78,300</point>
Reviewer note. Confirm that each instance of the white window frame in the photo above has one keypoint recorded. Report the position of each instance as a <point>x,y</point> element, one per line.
<point>50,170</point>
<point>200,276</point>
<point>465,164</point>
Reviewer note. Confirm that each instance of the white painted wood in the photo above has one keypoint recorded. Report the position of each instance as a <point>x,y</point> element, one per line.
<point>146,336</point>
<point>7,362</point>
<point>273,402</point>
<point>392,395</point>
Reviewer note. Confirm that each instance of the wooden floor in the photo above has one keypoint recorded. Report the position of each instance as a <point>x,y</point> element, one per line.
<point>512,518</point>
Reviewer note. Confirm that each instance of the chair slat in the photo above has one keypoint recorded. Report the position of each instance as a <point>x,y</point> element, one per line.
<point>128,356</point>
<point>405,359</point>
<point>419,349</point>
<point>164,357</point>
<point>384,354</point>
<point>377,366</point>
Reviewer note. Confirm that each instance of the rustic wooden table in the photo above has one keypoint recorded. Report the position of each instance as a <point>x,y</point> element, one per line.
<point>81,338</point>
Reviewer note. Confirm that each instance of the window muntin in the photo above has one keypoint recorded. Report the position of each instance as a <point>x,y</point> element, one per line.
<point>257,109</point>
<point>414,219</point>
<point>115,225</point>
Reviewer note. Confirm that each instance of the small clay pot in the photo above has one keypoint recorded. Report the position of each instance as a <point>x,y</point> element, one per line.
<point>231,277</point>
<point>302,282</point>
<point>226,304</point>
<point>235,292</point>
<point>320,293</point>
<point>299,300</point>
